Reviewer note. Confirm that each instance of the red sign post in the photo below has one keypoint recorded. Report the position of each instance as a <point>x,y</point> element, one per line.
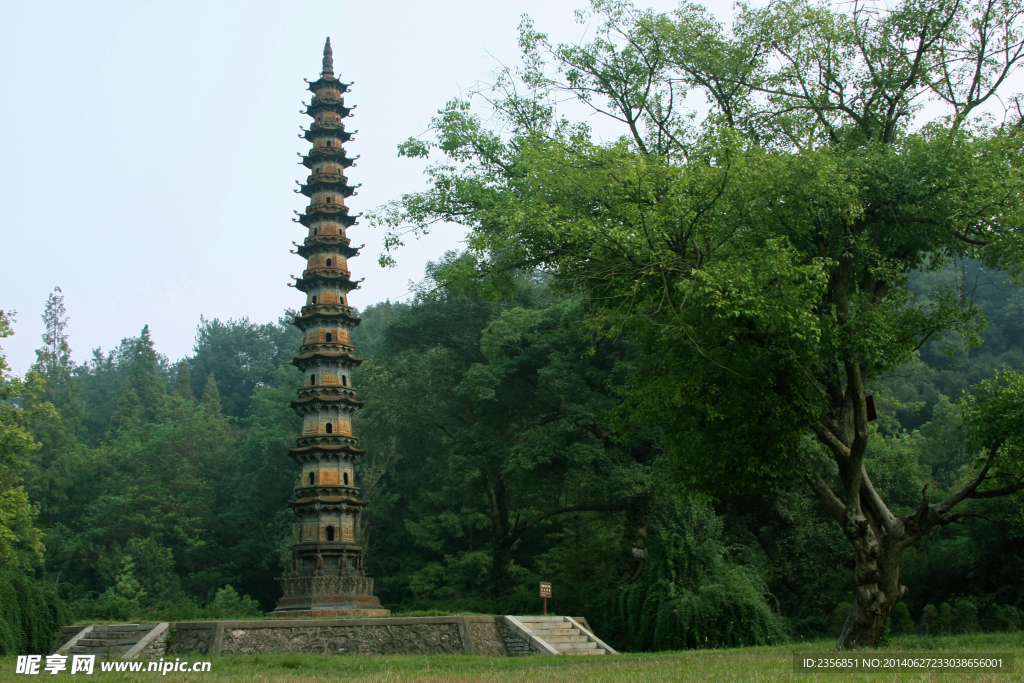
<point>545,592</point>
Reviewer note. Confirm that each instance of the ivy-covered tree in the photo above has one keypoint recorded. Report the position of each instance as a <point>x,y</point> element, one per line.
<point>760,250</point>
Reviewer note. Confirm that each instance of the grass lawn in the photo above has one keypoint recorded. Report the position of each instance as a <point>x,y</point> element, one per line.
<point>744,664</point>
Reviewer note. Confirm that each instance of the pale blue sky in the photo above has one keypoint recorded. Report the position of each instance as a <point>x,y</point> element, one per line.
<point>148,149</point>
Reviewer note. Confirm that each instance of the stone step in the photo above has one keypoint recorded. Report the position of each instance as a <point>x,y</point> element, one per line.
<point>586,645</point>
<point>541,619</point>
<point>119,628</point>
<point>557,640</point>
<point>107,642</point>
<point>80,650</point>
<point>583,653</point>
<point>545,632</point>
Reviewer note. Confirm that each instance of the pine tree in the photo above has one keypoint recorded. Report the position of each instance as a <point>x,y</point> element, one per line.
<point>183,383</point>
<point>53,360</point>
<point>144,391</point>
<point>211,397</point>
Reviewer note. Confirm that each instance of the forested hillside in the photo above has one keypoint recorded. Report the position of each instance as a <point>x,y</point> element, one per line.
<point>494,463</point>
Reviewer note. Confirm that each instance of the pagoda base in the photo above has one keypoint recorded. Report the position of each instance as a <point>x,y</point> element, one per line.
<point>328,596</point>
<point>334,613</point>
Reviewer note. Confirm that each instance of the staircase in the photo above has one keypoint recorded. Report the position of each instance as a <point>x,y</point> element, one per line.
<point>566,635</point>
<point>115,640</point>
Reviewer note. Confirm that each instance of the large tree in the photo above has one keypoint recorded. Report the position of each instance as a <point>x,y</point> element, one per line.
<point>759,246</point>
<point>491,418</point>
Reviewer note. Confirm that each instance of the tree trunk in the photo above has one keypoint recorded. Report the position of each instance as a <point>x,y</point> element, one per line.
<point>877,578</point>
<point>501,581</point>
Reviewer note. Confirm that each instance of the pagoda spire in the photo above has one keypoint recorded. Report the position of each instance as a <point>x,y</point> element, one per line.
<point>328,69</point>
<point>326,576</point>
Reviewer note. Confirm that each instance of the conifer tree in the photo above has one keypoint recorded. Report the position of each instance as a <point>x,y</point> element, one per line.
<point>211,397</point>
<point>183,383</point>
<point>144,389</point>
<point>53,360</point>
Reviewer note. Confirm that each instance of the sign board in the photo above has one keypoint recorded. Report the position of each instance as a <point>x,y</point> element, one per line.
<point>545,589</point>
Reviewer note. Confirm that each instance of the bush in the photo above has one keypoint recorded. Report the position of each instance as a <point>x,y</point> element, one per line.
<point>944,622</point>
<point>30,615</point>
<point>965,617</point>
<point>689,595</point>
<point>928,625</point>
<point>229,605</point>
<point>900,622</point>
<point>1001,619</point>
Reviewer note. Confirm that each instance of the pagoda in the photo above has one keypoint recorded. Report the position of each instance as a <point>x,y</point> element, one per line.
<point>326,576</point>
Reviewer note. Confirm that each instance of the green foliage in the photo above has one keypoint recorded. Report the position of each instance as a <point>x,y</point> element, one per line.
<point>211,397</point>
<point>900,621</point>
<point>1001,618</point>
<point>21,544</point>
<point>244,356</point>
<point>760,255</point>
<point>965,617</point>
<point>688,594</point>
<point>944,621</point>
<point>30,614</point>
<point>929,624</point>
<point>53,360</point>
<point>485,424</point>
<point>227,604</point>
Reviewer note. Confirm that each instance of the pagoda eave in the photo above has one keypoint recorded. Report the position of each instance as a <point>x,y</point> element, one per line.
<point>305,284</point>
<point>328,449</point>
<point>321,154</point>
<point>305,502</point>
<point>328,82</point>
<point>327,129</point>
<point>323,185</point>
<point>318,214</point>
<point>314,313</point>
<point>326,401</point>
<point>338,106</point>
<point>324,243</point>
<point>348,358</point>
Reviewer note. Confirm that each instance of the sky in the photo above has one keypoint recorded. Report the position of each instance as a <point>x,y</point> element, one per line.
<point>148,149</point>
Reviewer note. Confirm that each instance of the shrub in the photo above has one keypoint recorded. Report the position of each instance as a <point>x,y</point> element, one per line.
<point>929,621</point>
<point>900,622</point>
<point>944,622</point>
<point>229,605</point>
<point>1001,619</point>
<point>965,617</point>
<point>689,595</point>
<point>30,614</point>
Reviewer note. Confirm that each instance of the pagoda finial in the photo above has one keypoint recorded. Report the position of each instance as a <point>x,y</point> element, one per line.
<point>328,59</point>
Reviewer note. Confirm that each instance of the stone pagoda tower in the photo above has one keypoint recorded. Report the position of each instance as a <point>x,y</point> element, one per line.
<point>326,576</point>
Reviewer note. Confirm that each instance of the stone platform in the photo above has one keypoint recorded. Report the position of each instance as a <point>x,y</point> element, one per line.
<point>328,613</point>
<point>497,636</point>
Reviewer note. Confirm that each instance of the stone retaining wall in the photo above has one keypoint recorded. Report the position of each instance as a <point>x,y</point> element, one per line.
<point>483,635</point>
<point>393,635</point>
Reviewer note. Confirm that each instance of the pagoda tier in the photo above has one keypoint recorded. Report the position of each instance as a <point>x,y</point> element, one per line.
<point>325,243</point>
<point>329,128</point>
<point>326,577</point>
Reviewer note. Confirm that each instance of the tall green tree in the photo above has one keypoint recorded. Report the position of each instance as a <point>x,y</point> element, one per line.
<point>760,253</point>
<point>244,355</point>
<point>494,418</point>
<point>21,544</point>
<point>53,360</point>
<point>183,382</point>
